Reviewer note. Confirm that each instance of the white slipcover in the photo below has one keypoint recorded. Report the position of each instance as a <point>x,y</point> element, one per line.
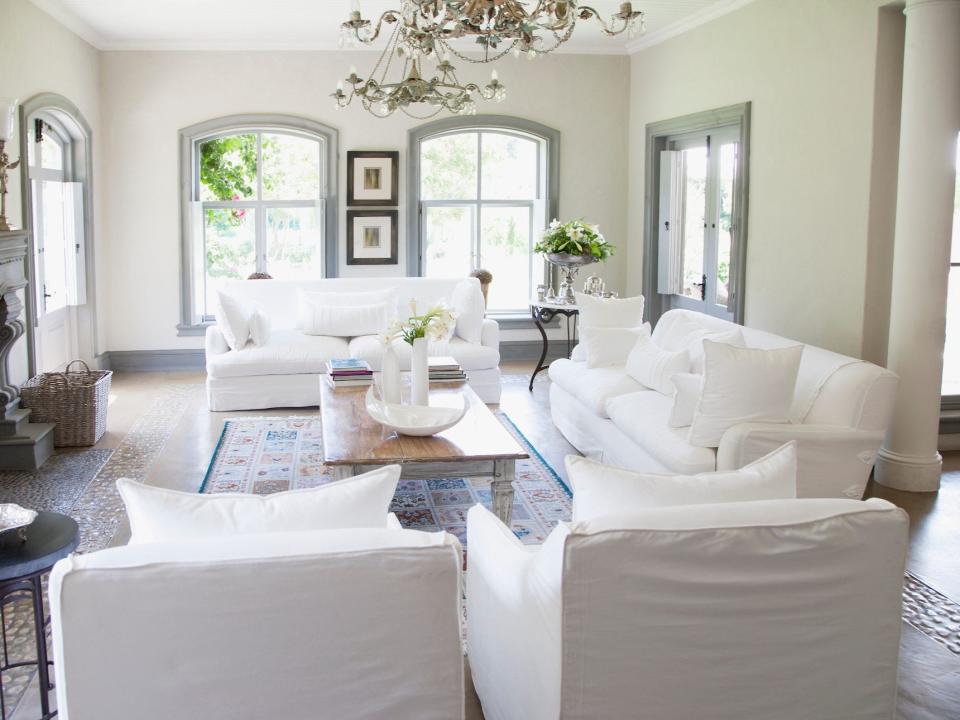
<point>284,371</point>
<point>786,609</point>
<point>840,411</point>
<point>346,624</point>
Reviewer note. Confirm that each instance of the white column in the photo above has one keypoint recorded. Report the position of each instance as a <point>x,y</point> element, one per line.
<point>929,123</point>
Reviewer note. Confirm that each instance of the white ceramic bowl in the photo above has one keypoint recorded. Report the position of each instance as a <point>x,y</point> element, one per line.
<point>13,517</point>
<point>418,420</point>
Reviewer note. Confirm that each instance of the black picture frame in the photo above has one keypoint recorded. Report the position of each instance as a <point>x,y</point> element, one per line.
<point>394,157</point>
<point>394,257</point>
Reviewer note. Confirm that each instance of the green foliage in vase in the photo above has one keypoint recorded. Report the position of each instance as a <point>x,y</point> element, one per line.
<point>575,237</point>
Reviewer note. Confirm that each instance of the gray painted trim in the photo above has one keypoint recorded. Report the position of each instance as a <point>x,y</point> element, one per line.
<point>188,137</point>
<point>81,137</point>
<point>150,360</point>
<point>475,122</point>
<point>520,350</point>
<point>656,136</point>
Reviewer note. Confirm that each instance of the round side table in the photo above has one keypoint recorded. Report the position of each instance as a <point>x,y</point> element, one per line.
<point>544,311</point>
<point>23,563</point>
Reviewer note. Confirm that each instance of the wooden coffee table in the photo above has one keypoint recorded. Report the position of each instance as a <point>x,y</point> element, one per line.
<point>477,446</point>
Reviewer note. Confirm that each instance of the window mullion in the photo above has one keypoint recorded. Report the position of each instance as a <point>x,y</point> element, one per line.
<point>260,218</point>
<point>478,241</point>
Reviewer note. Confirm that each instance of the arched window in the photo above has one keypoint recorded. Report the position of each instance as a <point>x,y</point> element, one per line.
<point>258,189</point>
<point>483,190</point>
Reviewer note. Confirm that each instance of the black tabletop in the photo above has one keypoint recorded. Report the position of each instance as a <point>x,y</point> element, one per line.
<point>50,537</point>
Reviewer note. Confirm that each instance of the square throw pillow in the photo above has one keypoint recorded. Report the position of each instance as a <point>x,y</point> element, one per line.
<point>610,346</point>
<point>685,399</point>
<point>260,328</point>
<point>161,515</point>
<point>467,302</point>
<point>687,333</point>
<point>610,312</point>
<point>742,385</point>
<point>601,490</point>
<point>233,319</point>
<point>654,367</point>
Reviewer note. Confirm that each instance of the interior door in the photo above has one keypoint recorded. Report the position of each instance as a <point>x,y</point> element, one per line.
<point>54,247</point>
<point>697,195</point>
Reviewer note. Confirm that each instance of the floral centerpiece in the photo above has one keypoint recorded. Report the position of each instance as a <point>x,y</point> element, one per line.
<point>568,246</point>
<point>417,330</point>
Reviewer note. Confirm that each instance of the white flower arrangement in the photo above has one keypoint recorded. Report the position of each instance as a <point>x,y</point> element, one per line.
<point>575,237</point>
<point>436,324</point>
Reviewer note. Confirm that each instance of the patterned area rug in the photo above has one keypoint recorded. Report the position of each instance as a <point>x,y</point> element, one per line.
<point>267,455</point>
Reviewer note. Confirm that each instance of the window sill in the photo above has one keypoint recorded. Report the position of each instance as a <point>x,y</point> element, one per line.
<point>193,330</point>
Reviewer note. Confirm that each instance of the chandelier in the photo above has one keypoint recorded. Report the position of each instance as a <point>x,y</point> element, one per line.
<point>497,26</point>
<point>443,91</point>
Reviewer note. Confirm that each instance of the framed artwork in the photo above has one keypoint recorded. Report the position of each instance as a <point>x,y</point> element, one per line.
<point>372,237</point>
<point>372,177</point>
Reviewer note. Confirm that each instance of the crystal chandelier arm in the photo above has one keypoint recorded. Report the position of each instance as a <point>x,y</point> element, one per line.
<point>627,15</point>
<point>356,23</point>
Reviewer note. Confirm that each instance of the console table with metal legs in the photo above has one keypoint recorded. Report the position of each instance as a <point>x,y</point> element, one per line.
<point>544,312</point>
<point>23,563</point>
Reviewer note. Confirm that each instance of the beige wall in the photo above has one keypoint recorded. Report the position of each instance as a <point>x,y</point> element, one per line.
<point>149,96</point>
<point>808,68</point>
<point>38,55</point>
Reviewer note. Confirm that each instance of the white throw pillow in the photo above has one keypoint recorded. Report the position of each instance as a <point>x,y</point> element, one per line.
<point>162,515</point>
<point>610,346</point>
<point>610,312</point>
<point>467,302</point>
<point>260,328</point>
<point>347,299</point>
<point>318,317</point>
<point>602,490</point>
<point>654,367</point>
<point>742,385</point>
<point>685,333</point>
<point>685,399</point>
<point>233,318</point>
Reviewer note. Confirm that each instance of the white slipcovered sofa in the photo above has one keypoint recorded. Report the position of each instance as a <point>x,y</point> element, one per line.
<point>346,624</point>
<point>284,372</point>
<point>840,411</point>
<point>763,610</point>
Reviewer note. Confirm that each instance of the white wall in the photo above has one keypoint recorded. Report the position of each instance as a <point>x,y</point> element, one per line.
<point>149,96</point>
<point>808,68</point>
<point>38,55</point>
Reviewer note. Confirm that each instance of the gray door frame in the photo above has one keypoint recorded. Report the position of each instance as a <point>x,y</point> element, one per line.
<point>656,140</point>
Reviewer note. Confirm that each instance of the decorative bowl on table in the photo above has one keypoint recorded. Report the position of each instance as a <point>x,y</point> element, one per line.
<point>14,520</point>
<point>569,265</point>
<point>418,420</point>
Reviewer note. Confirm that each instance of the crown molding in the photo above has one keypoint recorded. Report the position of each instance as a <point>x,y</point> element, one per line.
<point>685,24</point>
<point>71,21</point>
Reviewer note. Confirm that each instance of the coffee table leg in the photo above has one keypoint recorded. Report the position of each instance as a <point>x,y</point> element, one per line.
<point>504,471</point>
<point>342,472</point>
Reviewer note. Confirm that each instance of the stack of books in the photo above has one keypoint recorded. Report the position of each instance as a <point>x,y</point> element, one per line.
<point>445,369</point>
<point>350,372</point>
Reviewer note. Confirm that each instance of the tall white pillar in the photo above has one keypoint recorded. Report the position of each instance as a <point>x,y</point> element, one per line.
<point>929,123</point>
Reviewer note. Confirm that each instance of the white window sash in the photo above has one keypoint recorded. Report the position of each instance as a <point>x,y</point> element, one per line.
<point>74,240</point>
<point>670,235</point>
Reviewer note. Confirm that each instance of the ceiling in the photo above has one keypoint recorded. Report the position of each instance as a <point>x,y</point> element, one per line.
<point>314,24</point>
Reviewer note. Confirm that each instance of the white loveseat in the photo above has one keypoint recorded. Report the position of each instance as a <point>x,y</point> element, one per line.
<point>346,624</point>
<point>777,609</point>
<point>840,411</point>
<point>284,372</point>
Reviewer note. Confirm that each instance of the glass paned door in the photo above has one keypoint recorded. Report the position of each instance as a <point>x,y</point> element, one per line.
<point>951,351</point>
<point>707,167</point>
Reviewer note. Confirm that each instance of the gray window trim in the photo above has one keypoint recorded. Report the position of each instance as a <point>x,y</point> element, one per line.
<point>656,139</point>
<point>229,124</point>
<point>78,168</point>
<point>504,123</point>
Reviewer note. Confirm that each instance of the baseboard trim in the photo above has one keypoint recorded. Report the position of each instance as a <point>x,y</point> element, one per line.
<point>194,359</point>
<point>153,360</point>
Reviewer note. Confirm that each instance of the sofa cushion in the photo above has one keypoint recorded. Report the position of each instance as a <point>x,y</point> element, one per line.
<point>610,312</point>
<point>470,355</point>
<point>592,387</point>
<point>611,346</point>
<point>233,317</point>
<point>602,490</point>
<point>644,417</point>
<point>287,352</point>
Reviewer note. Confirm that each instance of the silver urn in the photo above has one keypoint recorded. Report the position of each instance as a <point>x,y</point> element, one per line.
<point>569,266</point>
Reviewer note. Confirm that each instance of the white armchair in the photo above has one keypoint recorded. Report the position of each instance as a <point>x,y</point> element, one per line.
<point>786,609</point>
<point>346,624</point>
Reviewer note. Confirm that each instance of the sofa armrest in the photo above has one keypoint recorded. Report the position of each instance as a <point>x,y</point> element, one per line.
<point>214,342</point>
<point>832,460</point>
<point>513,634</point>
<point>490,334</point>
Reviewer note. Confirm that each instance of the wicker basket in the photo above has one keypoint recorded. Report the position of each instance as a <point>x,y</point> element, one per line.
<point>76,400</point>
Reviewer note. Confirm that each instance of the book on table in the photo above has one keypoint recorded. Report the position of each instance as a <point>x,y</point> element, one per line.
<point>445,369</point>
<point>349,372</point>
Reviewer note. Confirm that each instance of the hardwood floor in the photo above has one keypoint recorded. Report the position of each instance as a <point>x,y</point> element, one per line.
<point>929,672</point>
